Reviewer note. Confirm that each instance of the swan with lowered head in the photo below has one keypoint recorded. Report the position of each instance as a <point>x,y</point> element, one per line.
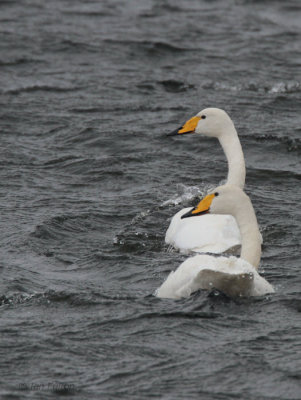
<point>212,233</point>
<point>233,276</point>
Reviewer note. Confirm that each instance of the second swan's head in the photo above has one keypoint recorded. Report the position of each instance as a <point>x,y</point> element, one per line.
<point>209,122</point>
<point>226,199</point>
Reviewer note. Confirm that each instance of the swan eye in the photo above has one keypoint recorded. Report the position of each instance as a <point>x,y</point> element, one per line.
<point>216,194</point>
<point>203,117</point>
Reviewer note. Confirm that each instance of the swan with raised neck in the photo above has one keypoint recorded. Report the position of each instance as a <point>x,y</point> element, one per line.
<point>216,233</point>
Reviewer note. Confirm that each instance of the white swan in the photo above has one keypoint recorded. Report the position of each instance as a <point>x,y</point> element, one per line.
<point>212,233</point>
<point>233,276</point>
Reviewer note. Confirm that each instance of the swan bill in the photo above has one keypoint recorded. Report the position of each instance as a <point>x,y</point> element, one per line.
<point>188,127</point>
<point>202,208</point>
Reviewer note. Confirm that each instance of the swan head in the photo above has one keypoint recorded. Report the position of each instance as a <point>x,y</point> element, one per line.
<point>226,199</point>
<point>209,122</point>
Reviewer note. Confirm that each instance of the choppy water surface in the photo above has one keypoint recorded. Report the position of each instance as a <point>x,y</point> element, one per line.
<point>89,181</point>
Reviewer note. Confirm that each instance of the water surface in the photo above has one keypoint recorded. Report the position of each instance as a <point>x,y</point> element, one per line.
<point>89,182</point>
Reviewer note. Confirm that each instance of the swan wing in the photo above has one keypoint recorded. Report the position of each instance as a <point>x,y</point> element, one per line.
<point>232,284</point>
<point>207,233</point>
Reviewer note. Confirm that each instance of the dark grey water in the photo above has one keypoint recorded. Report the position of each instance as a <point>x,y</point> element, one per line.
<point>88,182</point>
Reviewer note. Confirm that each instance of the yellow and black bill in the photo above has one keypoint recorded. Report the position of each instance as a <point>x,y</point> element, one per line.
<point>202,208</point>
<point>188,127</point>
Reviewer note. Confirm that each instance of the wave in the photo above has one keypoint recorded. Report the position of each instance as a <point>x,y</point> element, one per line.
<point>184,194</point>
<point>150,46</point>
<point>19,61</point>
<point>170,85</point>
<point>276,175</point>
<point>292,144</point>
<point>89,14</point>
<point>175,86</point>
<point>130,107</point>
<point>285,87</point>
<point>68,44</point>
<point>81,298</point>
<point>190,307</point>
<point>134,241</point>
<point>67,224</point>
<point>90,169</point>
<point>269,88</point>
<point>160,315</point>
<point>39,87</point>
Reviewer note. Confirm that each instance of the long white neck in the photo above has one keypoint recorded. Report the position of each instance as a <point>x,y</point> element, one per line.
<point>250,235</point>
<point>236,163</point>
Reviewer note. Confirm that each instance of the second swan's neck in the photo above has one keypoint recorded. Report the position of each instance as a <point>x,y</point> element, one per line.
<point>236,163</point>
<point>250,235</point>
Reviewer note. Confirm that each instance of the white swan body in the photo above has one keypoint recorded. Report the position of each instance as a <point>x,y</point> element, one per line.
<point>204,234</point>
<point>233,276</point>
<point>215,233</point>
